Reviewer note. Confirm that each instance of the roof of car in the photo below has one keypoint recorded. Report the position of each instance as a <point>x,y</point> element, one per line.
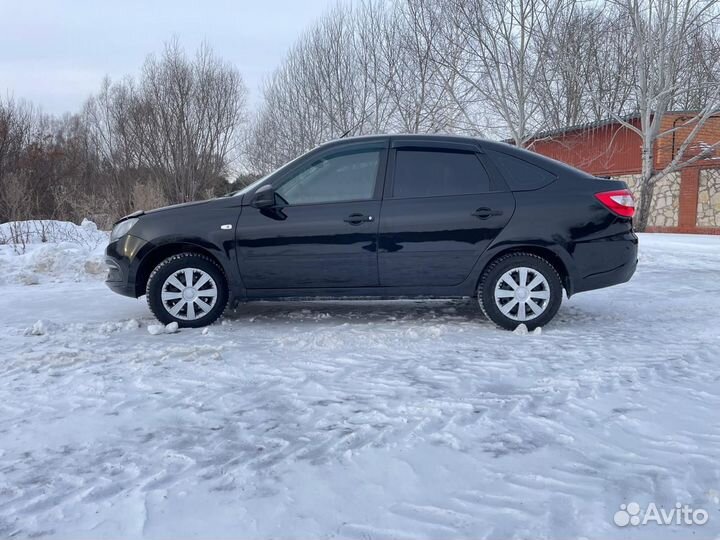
<point>497,145</point>
<point>527,155</point>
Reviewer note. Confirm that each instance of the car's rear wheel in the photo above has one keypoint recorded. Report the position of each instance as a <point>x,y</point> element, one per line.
<point>520,288</point>
<point>189,289</point>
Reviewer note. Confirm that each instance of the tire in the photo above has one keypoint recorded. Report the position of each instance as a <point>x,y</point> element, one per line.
<point>496,291</point>
<point>200,304</point>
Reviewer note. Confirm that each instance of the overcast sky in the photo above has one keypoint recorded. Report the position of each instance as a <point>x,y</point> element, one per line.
<point>55,53</point>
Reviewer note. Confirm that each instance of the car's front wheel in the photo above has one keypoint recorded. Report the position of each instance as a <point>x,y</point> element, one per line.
<point>189,289</point>
<point>520,288</point>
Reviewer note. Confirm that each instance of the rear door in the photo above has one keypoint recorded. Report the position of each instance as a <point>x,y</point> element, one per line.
<point>442,206</point>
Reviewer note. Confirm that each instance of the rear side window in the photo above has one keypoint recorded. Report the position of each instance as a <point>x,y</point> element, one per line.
<point>519,174</point>
<point>433,173</point>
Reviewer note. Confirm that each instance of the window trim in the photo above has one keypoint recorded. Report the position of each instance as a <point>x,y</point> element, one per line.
<point>494,182</point>
<point>435,144</point>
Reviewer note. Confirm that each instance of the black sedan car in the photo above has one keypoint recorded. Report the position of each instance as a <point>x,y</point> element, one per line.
<point>386,216</point>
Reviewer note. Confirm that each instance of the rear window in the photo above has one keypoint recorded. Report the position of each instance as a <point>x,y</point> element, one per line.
<point>519,174</point>
<point>433,173</point>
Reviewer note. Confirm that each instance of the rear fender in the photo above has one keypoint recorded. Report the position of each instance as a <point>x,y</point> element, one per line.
<point>553,253</point>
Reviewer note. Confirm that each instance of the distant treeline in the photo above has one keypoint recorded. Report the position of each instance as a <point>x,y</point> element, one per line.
<point>168,136</point>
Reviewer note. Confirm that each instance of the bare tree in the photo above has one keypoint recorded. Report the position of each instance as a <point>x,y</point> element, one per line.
<point>362,68</point>
<point>173,132</point>
<point>701,64</point>
<point>586,51</point>
<point>114,138</point>
<point>18,124</point>
<point>17,202</point>
<point>149,195</point>
<point>176,128</point>
<point>419,87</point>
<point>18,121</point>
<point>343,70</point>
<point>501,51</point>
<point>192,110</point>
<point>331,83</point>
<point>664,35</point>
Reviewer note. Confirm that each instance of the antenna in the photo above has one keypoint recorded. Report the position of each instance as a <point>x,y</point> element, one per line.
<point>367,115</point>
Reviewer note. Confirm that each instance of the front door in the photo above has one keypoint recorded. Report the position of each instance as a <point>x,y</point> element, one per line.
<point>442,208</point>
<point>322,233</point>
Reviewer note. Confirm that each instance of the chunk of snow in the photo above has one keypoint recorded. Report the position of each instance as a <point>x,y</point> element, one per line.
<point>40,328</point>
<point>132,324</point>
<point>112,327</point>
<point>521,330</point>
<point>537,331</point>
<point>88,225</point>
<point>156,329</point>
<point>171,328</point>
<point>107,328</point>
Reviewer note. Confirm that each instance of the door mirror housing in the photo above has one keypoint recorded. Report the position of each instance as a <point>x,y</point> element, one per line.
<point>264,197</point>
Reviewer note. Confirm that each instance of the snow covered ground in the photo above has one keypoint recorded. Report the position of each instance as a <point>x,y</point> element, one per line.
<point>359,419</point>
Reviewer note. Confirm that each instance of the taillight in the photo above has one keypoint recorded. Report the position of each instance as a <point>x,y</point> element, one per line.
<point>621,201</point>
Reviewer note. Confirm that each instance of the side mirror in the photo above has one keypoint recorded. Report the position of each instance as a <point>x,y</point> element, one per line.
<point>264,197</point>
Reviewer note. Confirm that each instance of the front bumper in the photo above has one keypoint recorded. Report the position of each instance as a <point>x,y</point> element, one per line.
<point>122,258</point>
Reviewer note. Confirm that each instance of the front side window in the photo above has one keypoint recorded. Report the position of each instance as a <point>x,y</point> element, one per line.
<point>433,173</point>
<point>349,176</point>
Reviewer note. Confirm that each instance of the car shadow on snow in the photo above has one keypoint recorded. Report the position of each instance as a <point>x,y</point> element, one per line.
<point>571,316</point>
<point>362,311</point>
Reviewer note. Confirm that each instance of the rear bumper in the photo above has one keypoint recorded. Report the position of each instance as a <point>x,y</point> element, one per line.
<point>618,275</point>
<point>606,262</point>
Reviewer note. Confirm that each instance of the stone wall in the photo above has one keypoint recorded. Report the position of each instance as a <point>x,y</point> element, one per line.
<point>708,206</point>
<point>664,207</point>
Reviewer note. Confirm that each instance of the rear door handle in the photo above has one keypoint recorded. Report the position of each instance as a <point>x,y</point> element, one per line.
<point>357,219</point>
<point>484,213</point>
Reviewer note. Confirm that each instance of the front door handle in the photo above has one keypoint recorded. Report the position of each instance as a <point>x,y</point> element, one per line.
<point>357,219</point>
<point>484,213</point>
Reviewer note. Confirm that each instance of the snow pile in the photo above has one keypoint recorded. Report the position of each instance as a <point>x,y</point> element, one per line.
<point>40,328</point>
<point>33,252</point>
<point>41,231</point>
